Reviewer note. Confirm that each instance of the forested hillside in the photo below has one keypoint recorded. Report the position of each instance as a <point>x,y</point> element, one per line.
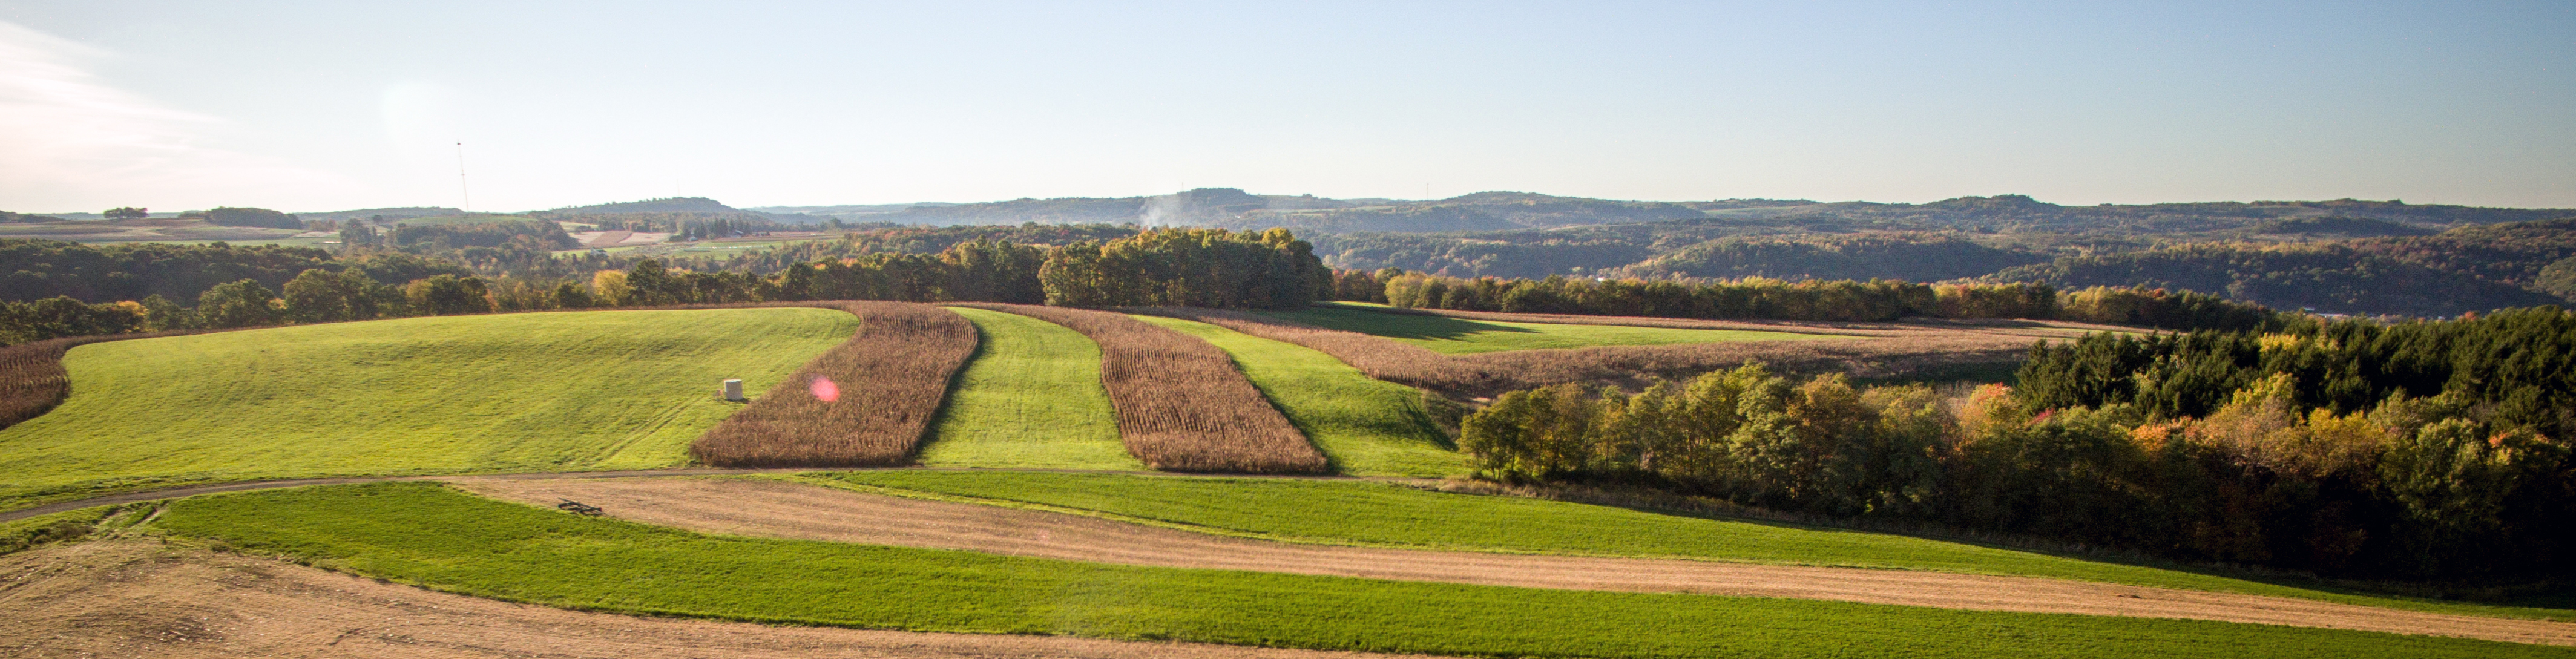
<point>106,273</point>
<point>1907,256</point>
<point>2288,264</point>
<point>2473,268</point>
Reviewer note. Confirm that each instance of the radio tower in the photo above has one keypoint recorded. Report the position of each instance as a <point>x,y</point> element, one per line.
<point>461,189</point>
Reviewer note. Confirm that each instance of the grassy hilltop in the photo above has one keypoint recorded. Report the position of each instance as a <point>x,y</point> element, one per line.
<point>522,392</point>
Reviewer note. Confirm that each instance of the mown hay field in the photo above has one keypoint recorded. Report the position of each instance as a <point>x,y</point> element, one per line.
<point>517,392</point>
<point>867,401</point>
<point>1388,515</point>
<point>1181,403</point>
<point>447,540</point>
<point>1030,397</point>
<point>1466,336</point>
<point>1368,427</point>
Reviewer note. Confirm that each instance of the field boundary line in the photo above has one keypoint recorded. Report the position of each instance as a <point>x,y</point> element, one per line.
<point>219,487</point>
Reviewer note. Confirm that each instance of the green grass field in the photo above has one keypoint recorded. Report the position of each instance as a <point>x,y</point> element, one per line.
<point>1461,336</point>
<point>1367,426</point>
<point>1379,514</point>
<point>510,392</point>
<point>431,536</point>
<point>1030,397</point>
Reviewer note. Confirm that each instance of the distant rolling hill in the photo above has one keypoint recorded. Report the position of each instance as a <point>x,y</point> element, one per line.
<point>1503,211</point>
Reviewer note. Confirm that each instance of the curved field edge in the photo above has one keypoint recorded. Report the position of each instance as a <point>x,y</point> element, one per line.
<point>440,538</point>
<point>1030,396</point>
<point>1379,514</point>
<point>1366,426</point>
<point>572,391</point>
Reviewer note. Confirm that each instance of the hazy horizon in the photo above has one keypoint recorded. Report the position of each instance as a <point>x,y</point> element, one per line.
<point>319,106</point>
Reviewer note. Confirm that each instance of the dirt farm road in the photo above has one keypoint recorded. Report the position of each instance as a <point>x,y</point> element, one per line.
<point>241,486</point>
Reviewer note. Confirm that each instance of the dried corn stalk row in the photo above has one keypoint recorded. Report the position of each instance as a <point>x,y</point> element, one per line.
<point>867,401</point>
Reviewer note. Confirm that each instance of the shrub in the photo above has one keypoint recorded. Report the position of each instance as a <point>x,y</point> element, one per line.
<point>242,303</point>
<point>447,295</point>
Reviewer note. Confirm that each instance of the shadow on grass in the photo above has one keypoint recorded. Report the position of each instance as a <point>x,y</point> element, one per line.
<point>1393,326</point>
<point>2550,598</point>
<point>948,396</point>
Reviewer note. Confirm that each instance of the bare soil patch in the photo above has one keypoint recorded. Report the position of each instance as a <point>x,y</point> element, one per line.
<point>130,598</point>
<point>792,510</point>
<point>602,238</point>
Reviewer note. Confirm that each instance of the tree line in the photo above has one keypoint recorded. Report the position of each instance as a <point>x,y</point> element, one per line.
<point>2410,450</point>
<point>686,225</point>
<point>1185,267</point>
<point>1824,300</point>
<point>923,240</point>
<point>105,273</point>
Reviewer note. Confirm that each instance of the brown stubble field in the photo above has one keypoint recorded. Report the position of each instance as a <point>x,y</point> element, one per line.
<point>1181,403</point>
<point>891,378</point>
<point>1874,350</point>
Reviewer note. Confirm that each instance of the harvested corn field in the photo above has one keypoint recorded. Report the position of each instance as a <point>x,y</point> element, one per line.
<point>867,401</point>
<point>1182,405</point>
<point>1872,350</point>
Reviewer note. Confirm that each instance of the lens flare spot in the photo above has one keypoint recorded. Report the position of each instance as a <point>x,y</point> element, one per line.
<point>826,390</point>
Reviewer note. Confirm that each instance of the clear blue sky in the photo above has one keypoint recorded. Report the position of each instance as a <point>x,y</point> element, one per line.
<point>308,106</point>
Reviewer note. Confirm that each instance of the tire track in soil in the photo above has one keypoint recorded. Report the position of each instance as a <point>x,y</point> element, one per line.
<point>780,509</point>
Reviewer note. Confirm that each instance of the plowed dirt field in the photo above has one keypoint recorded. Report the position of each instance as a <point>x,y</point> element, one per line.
<point>792,510</point>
